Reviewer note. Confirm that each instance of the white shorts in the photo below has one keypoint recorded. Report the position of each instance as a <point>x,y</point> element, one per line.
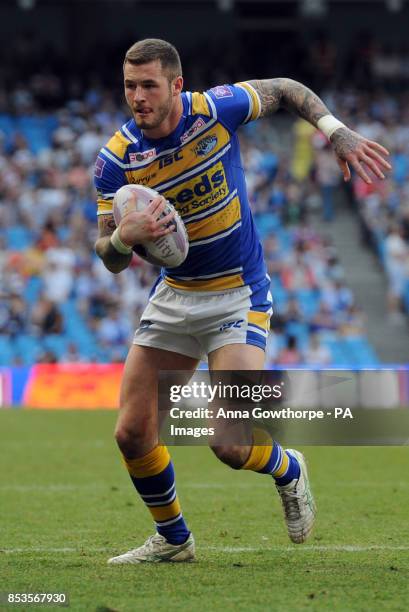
<point>195,324</point>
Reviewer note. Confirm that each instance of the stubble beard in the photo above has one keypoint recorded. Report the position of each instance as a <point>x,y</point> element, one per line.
<point>158,116</point>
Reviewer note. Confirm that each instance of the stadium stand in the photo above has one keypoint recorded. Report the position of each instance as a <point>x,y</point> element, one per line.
<point>59,303</point>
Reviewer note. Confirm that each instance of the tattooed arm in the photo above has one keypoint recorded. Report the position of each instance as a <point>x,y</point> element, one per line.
<point>349,146</point>
<point>113,260</point>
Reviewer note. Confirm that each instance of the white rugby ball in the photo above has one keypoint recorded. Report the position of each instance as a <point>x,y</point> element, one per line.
<point>168,251</point>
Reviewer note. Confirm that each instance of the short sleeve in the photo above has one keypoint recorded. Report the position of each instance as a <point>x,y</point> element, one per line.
<point>108,178</point>
<point>234,104</point>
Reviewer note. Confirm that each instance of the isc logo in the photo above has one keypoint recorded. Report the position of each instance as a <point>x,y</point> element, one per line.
<point>169,159</point>
<point>231,325</point>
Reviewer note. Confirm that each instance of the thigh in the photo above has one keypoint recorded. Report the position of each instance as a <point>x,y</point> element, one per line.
<point>239,347</point>
<point>241,317</point>
<point>233,439</point>
<point>237,357</point>
<point>138,413</point>
<point>163,324</point>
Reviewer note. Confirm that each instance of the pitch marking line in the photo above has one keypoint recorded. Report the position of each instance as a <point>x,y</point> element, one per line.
<point>307,548</point>
<point>225,549</point>
<point>62,487</point>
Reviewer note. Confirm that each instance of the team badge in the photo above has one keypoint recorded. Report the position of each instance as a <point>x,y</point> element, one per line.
<point>222,91</point>
<point>99,166</point>
<point>205,145</point>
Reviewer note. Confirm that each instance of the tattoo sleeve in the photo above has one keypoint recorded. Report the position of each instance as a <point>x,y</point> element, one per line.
<point>115,262</point>
<point>345,141</point>
<point>289,94</point>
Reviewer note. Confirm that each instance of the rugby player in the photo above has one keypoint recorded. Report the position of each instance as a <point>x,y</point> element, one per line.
<point>217,304</point>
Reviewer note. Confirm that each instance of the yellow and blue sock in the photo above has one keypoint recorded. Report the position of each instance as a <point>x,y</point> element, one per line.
<point>153,477</point>
<point>268,457</point>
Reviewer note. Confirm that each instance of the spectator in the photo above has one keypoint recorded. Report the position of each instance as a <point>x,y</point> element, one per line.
<point>17,317</point>
<point>46,317</point>
<point>290,355</point>
<point>323,320</point>
<point>396,263</point>
<point>327,174</point>
<point>316,354</point>
<point>113,329</point>
<point>72,354</point>
<point>353,322</point>
<point>58,273</point>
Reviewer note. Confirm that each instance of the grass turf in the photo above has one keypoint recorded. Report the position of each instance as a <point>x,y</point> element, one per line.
<point>66,504</point>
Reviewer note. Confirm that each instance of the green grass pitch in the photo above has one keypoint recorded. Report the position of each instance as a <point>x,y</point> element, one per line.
<point>66,505</point>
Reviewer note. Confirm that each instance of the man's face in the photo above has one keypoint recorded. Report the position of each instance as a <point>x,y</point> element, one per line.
<point>148,93</point>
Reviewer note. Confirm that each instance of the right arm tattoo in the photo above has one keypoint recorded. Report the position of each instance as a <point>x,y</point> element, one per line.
<point>115,262</point>
<point>289,94</point>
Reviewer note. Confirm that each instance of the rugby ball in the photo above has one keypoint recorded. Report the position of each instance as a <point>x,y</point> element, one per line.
<point>168,251</point>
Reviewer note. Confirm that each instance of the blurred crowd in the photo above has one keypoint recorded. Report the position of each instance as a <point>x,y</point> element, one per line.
<point>383,207</point>
<point>53,286</point>
<point>39,77</point>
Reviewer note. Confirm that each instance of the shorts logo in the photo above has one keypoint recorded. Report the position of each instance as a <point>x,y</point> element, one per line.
<point>222,91</point>
<point>193,129</point>
<point>99,166</point>
<point>205,145</point>
<point>231,325</point>
<point>139,157</point>
<point>144,324</point>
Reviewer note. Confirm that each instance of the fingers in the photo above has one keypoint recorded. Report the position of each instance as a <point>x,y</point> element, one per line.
<point>370,154</point>
<point>163,225</point>
<point>156,206</point>
<point>166,219</point>
<point>372,165</point>
<point>377,147</point>
<point>354,161</point>
<point>344,168</point>
<point>162,232</point>
<point>373,153</point>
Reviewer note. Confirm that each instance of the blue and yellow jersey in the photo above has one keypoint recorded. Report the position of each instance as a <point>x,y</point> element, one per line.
<point>198,169</point>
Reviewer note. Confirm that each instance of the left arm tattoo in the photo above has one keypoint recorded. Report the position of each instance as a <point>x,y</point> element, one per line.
<point>350,147</point>
<point>289,94</point>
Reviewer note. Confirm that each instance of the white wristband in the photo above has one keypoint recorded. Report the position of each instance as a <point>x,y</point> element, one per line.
<point>118,244</point>
<point>329,124</point>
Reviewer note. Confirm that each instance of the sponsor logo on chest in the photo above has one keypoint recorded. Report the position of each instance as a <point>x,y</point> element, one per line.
<point>142,156</point>
<point>195,127</point>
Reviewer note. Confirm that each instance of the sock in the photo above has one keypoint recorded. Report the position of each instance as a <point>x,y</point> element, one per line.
<point>291,471</point>
<point>268,457</point>
<point>154,478</point>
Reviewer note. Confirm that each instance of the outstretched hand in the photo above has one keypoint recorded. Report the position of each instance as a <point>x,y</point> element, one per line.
<point>354,150</point>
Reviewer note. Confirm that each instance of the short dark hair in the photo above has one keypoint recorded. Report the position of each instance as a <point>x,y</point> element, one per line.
<point>152,49</point>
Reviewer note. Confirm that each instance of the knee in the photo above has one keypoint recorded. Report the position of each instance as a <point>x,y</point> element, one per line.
<point>131,441</point>
<point>234,456</point>
<point>125,439</point>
